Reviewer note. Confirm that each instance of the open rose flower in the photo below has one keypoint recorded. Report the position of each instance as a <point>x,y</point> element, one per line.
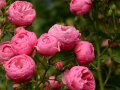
<point>79,78</point>
<point>84,51</point>
<point>2,3</point>
<point>80,7</point>
<point>20,68</point>
<point>67,35</point>
<point>6,51</point>
<point>48,45</point>
<point>21,13</point>
<point>24,41</point>
<point>52,84</point>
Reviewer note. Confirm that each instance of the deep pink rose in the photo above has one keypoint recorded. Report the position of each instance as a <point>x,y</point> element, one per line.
<point>53,84</point>
<point>21,13</point>
<point>80,7</point>
<point>67,35</point>
<point>59,65</point>
<point>20,68</point>
<point>84,51</point>
<point>2,3</point>
<point>48,45</point>
<point>6,51</point>
<point>79,78</point>
<point>24,41</point>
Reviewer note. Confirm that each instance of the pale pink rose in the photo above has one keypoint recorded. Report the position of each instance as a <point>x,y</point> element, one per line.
<point>79,78</point>
<point>67,35</point>
<point>80,7</point>
<point>20,68</point>
<point>2,3</point>
<point>21,13</point>
<point>6,51</point>
<point>52,84</point>
<point>59,65</point>
<point>48,45</point>
<point>24,41</point>
<point>84,51</point>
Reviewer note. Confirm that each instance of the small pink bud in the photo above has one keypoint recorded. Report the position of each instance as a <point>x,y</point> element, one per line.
<point>80,7</point>
<point>48,45</point>
<point>6,51</point>
<point>24,41</point>
<point>53,84</point>
<point>59,65</point>
<point>20,68</point>
<point>2,3</point>
<point>84,51</point>
<point>79,78</point>
<point>67,35</point>
<point>21,13</point>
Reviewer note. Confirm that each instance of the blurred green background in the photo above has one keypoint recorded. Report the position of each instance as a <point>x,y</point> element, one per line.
<point>101,24</point>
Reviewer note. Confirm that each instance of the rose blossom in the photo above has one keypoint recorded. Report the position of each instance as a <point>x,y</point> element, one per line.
<point>53,84</point>
<point>20,68</point>
<point>48,45</point>
<point>84,51</point>
<point>21,13</point>
<point>2,3</point>
<point>6,51</point>
<point>79,78</point>
<point>67,35</point>
<point>80,7</point>
<point>24,41</point>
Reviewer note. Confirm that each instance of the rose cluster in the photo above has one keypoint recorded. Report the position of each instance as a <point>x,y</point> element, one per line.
<point>15,54</point>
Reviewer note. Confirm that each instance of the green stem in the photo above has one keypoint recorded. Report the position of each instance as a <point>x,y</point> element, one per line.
<point>99,67</point>
<point>108,76</point>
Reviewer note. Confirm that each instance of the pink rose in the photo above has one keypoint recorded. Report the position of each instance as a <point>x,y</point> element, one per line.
<point>24,41</point>
<point>67,35</point>
<point>53,84</point>
<point>84,51</point>
<point>48,45</point>
<point>21,13</point>
<point>2,3</point>
<point>6,51</point>
<point>80,7</point>
<point>79,78</point>
<point>59,65</point>
<point>20,68</point>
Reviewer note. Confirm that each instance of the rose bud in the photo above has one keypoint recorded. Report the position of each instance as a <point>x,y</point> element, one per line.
<point>21,13</point>
<point>2,3</point>
<point>6,51</point>
<point>67,35</point>
<point>20,68</point>
<point>24,41</point>
<point>79,78</point>
<point>48,45</point>
<point>59,65</point>
<point>84,51</point>
<point>52,84</point>
<point>80,7</point>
